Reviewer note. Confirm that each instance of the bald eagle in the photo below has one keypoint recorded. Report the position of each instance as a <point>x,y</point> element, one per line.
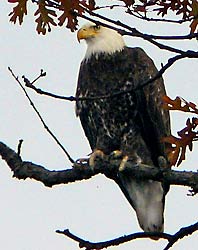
<point>132,123</point>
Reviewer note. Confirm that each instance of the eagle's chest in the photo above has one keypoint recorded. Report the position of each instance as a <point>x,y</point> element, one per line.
<point>111,111</point>
<point>106,75</point>
<point>114,112</point>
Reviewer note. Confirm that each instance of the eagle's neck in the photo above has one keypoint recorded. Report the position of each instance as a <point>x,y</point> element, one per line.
<point>107,42</point>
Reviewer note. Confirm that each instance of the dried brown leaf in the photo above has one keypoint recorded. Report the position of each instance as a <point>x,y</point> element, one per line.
<point>19,11</point>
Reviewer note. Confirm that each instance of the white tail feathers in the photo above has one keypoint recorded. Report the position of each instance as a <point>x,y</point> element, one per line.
<point>147,198</point>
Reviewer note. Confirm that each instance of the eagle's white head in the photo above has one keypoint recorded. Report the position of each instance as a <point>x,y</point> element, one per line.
<point>100,39</point>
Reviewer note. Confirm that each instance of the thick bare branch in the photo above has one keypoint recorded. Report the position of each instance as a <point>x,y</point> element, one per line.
<point>25,169</point>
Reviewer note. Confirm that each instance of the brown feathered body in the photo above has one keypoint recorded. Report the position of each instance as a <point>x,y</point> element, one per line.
<point>133,122</point>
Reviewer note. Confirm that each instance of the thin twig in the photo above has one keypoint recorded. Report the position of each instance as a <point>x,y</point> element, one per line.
<point>40,117</point>
<point>19,147</point>
<point>182,37</point>
<point>184,231</point>
<point>42,92</point>
<point>164,20</point>
<point>110,6</point>
<point>42,74</point>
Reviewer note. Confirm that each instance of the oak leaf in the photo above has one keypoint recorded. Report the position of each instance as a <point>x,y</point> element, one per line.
<point>179,104</point>
<point>177,145</point>
<point>45,19</point>
<point>194,14</point>
<point>18,11</point>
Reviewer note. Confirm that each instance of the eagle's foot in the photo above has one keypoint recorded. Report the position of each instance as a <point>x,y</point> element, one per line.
<point>96,153</point>
<point>82,161</point>
<point>123,163</point>
<point>162,162</point>
<point>116,154</point>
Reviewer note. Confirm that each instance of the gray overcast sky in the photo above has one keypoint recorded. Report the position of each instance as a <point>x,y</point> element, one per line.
<point>96,209</point>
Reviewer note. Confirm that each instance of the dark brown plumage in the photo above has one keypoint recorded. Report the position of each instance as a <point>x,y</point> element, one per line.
<point>123,121</point>
<point>133,122</point>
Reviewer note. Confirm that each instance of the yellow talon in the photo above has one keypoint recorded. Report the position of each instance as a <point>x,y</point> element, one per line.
<point>116,153</point>
<point>94,155</point>
<point>123,162</point>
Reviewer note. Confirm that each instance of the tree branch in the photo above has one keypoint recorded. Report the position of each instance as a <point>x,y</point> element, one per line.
<point>24,169</point>
<point>133,13</point>
<point>184,231</point>
<point>114,242</point>
<point>131,31</point>
<point>150,19</point>
<point>171,61</point>
<point>172,238</point>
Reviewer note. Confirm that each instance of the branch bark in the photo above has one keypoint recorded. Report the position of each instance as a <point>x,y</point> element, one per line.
<point>172,238</point>
<point>114,242</point>
<point>25,169</point>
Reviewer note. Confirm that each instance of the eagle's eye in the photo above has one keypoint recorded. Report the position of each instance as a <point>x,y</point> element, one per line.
<point>96,27</point>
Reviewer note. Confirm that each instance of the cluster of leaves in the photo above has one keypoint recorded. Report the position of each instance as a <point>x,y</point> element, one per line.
<point>178,145</point>
<point>188,9</point>
<point>180,7</point>
<point>47,12</point>
<point>53,12</point>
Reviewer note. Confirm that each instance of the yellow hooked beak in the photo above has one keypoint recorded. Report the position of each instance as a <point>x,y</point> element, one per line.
<point>87,32</point>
